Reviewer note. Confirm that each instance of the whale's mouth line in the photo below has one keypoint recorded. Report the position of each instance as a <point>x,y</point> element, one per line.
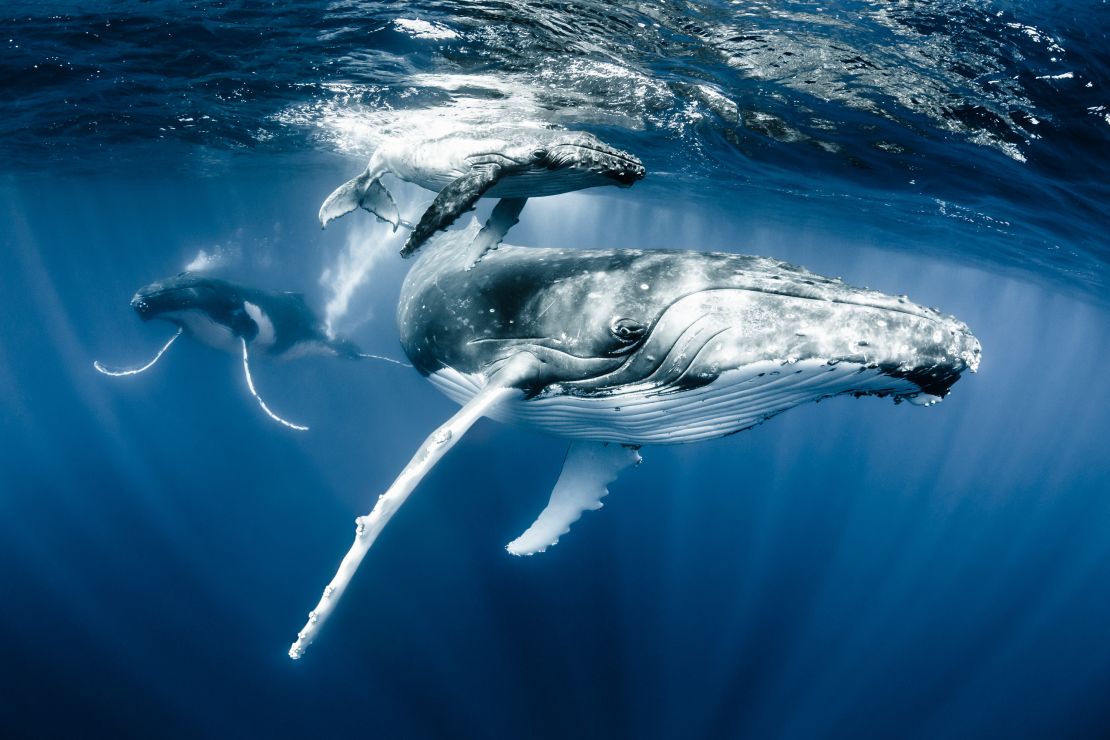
<point>538,342</point>
<point>690,334</point>
<point>533,344</point>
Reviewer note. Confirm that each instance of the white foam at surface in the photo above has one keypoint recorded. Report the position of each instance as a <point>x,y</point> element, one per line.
<point>422,29</point>
<point>353,125</point>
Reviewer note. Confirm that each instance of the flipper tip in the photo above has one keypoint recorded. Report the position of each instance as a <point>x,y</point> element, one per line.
<point>532,542</point>
<point>520,550</point>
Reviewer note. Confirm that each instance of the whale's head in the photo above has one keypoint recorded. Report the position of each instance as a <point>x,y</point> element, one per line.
<point>173,298</point>
<point>676,346</point>
<point>577,156</point>
<point>168,297</point>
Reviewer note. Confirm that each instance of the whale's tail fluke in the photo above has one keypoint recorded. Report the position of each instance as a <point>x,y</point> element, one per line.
<point>365,191</point>
<point>142,368</point>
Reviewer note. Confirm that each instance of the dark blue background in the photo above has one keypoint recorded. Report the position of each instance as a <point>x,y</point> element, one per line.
<point>850,568</point>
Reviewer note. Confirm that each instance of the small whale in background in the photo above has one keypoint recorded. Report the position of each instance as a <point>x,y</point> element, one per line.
<point>513,164</point>
<point>234,318</point>
<point>614,349</point>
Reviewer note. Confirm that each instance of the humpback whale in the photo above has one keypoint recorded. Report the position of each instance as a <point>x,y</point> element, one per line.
<point>616,349</point>
<point>236,318</point>
<point>513,164</point>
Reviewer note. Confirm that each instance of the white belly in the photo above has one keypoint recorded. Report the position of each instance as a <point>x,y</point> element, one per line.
<point>737,400</point>
<point>204,330</point>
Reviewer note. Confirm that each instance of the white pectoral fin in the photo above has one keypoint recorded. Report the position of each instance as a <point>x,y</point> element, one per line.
<point>504,384</point>
<point>142,368</point>
<point>505,215</point>
<point>589,468</point>
<point>261,403</point>
<point>365,191</point>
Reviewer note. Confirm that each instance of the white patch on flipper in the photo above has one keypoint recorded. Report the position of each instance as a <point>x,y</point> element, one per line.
<point>266,334</point>
<point>589,468</point>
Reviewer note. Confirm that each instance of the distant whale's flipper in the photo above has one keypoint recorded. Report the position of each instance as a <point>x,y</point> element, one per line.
<point>250,385</point>
<point>366,191</point>
<point>503,385</point>
<point>588,469</point>
<point>453,201</point>
<point>505,215</point>
<point>144,368</point>
<point>383,358</point>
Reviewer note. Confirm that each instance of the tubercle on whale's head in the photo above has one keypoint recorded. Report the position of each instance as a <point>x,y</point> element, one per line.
<point>582,151</point>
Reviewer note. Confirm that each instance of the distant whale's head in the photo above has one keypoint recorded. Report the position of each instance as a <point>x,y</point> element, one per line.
<point>642,347</point>
<point>168,298</point>
<point>215,311</point>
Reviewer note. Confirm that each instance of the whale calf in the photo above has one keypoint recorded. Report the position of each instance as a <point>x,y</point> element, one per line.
<point>513,164</point>
<point>236,318</point>
<point>615,349</point>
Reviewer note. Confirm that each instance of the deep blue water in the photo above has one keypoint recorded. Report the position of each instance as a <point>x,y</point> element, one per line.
<point>849,569</point>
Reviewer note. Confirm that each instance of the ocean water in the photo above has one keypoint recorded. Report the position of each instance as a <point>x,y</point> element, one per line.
<point>849,569</point>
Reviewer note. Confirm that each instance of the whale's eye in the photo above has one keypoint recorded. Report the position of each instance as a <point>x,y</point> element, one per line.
<point>627,330</point>
<point>539,154</point>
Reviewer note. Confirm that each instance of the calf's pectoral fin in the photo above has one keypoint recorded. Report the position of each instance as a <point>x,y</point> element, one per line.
<point>364,191</point>
<point>589,468</point>
<point>453,201</point>
<point>505,215</point>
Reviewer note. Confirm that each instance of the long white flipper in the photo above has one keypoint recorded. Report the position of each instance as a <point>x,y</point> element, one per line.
<point>506,214</point>
<point>250,385</point>
<point>144,368</point>
<point>367,528</point>
<point>588,469</point>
